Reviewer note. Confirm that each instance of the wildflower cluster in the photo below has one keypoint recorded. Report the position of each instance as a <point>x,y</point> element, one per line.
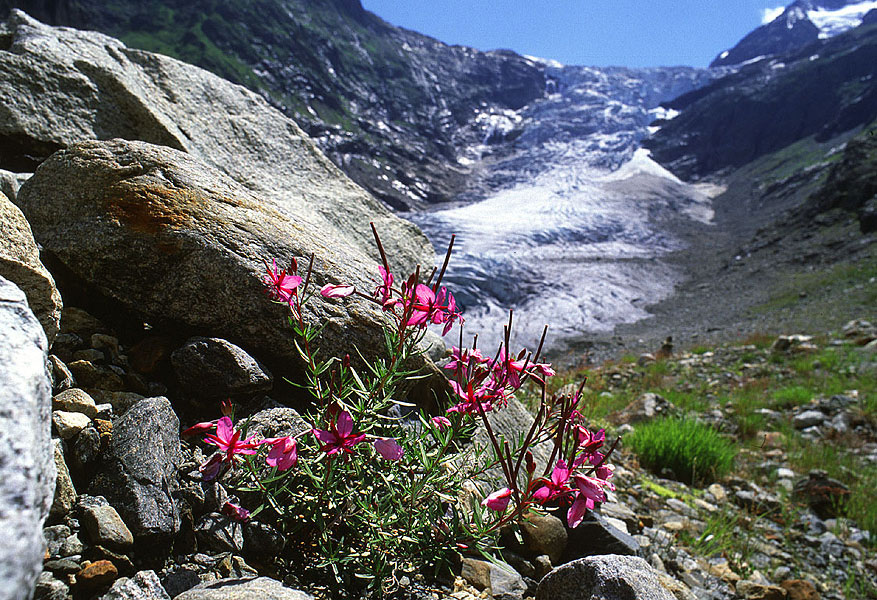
<point>368,490</point>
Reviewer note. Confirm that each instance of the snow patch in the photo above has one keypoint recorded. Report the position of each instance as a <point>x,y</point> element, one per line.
<point>833,22</point>
<point>548,62</point>
<point>724,54</point>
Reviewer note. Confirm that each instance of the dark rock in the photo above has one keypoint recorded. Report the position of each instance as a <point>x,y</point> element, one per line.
<point>101,377</point>
<point>122,563</point>
<point>596,536</point>
<point>77,321</point>
<point>218,533</point>
<point>180,579</point>
<point>20,264</point>
<point>54,537</point>
<point>27,469</point>
<point>49,588</point>
<point>90,354</point>
<point>139,470</point>
<point>826,496</point>
<point>215,369</point>
<point>62,378</point>
<point>260,588</point>
<point>647,406</point>
<point>261,541</point>
<point>106,528</point>
<point>143,586</point>
<point>63,566</point>
<point>85,448</point>
<point>609,577</point>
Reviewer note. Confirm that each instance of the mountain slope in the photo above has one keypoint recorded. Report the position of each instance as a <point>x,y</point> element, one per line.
<point>822,92</point>
<point>389,106</point>
<point>801,23</point>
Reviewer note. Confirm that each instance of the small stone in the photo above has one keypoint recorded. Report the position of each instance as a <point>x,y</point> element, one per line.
<point>90,375</point>
<point>106,527</point>
<point>503,583</point>
<point>145,585</point>
<point>97,574</point>
<point>55,536</point>
<point>75,400</point>
<point>89,354</point>
<point>49,588</point>
<point>757,591</point>
<point>120,401</point>
<point>218,533</point>
<point>68,424</point>
<point>826,496</point>
<point>595,535</point>
<point>808,418</point>
<point>75,320</point>
<point>545,534</point>
<point>62,378</point>
<point>718,492</point>
<point>262,541</point>
<point>542,565</point>
<point>65,493</point>
<point>85,447</point>
<point>798,589</point>
<point>72,545</point>
<point>102,341</point>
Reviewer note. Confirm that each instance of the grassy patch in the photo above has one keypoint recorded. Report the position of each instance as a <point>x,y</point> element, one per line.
<point>693,452</point>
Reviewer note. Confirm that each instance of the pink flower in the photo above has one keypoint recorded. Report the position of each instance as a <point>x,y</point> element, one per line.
<point>422,304</point>
<point>212,467</point>
<point>590,491</point>
<point>555,487</point>
<point>441,422</point>
<point>235,512</point>
<point>227,439</point>
<point>339,437</point>
<point>498,500</point>
<point>472,399</point>
<point>280,286</point>
<point>388,448</point>
<point>199,428</point>
<point>384,291</point>
<point>507,370</point>
<point>337,291</point>
<point>283,453</point>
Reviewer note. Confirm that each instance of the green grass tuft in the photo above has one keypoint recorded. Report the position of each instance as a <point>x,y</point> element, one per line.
<point>695,453</point>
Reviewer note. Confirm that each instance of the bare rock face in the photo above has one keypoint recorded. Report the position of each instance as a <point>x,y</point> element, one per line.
<point>59,86</point>
<point>20,263</point>
<point>178,241</point>
<point>27,468</point>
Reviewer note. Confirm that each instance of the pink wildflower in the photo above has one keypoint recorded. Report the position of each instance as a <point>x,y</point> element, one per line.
<point>555,487</point>
<point>498,500</point>
<point>337,291</point>
<point>228,440</point>
<point>199,428</point>
<point>590,491</point>
<point>441,422</point>
<point>339,437</point>
<point>283,453</point>
<point>235,512</point>
<point>388,448</point>
<point>384,291</point>
<point>472,399</point>
<point>280,286</point>
<point>212,467</point>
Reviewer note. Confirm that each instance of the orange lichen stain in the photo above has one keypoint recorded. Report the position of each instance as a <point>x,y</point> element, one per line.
<point>150,209</point>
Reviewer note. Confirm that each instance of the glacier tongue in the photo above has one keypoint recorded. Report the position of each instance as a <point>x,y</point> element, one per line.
<point>571,221</point>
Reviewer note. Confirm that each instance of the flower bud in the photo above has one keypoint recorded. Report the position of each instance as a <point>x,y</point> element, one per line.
<point>531,463</point>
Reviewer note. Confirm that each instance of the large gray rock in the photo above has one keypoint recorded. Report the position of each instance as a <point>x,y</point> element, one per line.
<point>608,577</point>
<point>27,467</point>
<point>139,474</point>
<point>59,86</point>
<point>179,241</point>
<point>20,263</point>
<point>260,588</point>
<point>216,369</point>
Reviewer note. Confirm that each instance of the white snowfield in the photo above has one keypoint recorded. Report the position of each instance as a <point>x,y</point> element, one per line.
<point>833,22</point>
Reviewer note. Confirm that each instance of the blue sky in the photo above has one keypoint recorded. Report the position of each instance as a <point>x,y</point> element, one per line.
<point>631,33</point>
